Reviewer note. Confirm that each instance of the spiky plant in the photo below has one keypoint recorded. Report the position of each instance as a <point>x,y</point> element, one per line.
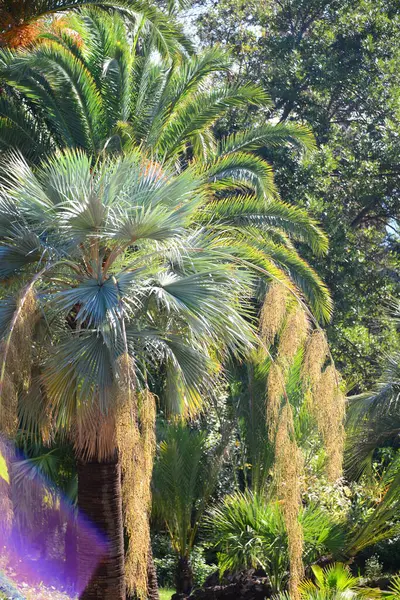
<point>86,84</point>
<point>249,531</point>
<point>185,475</point>
<point>374,417</point>
<point>116,283</point>
<point>394,588</point>
<point>335,582</point>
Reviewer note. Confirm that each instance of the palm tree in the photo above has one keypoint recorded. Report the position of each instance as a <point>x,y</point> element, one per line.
<point>87,86</point>
<point>374,417</point>
<point>114,282</point>
<point>185,476</point>
<point>21,20</point>
<point>84,85</point>
<point>249,532</point>
<point>394,588</point>
<point>334,582</point>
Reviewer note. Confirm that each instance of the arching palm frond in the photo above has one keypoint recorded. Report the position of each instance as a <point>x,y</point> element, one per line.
<point>84,85</point>
<point>201,112</point>
<point>267,135</point>
<point>271,228</point>
<point>113,256</point>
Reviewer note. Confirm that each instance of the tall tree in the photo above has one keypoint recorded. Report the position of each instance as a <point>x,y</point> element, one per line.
<point>87,87</point>
<point>126,276</point>
<point>185,476</point>
<point>335,66</point>
<point>120,282</point>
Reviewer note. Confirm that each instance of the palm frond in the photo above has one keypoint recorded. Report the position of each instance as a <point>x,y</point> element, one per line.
<point>267,135</point>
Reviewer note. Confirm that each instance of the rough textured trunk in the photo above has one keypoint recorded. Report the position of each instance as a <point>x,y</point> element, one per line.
<point>99,498</point>
<point>184,576</point>
<point>152,585</point>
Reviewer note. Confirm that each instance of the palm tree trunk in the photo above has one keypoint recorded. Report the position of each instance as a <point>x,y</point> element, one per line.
<point>184,576</point>
<point>99,498</point>
<point>152,585</point>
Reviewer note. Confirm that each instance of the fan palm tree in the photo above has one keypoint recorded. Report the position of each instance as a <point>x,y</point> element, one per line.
<point>185,476</point>
<point>86,86</point>
<point>334,582</point>
<point>249,531</point>
<point>394,588</point>
<point>21,20</point>
<point>120,283</point>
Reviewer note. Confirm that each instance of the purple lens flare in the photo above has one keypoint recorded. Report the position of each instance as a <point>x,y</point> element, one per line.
<point>41,532</point>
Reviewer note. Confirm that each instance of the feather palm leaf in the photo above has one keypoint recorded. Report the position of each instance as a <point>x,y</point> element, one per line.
<point>84,84</point>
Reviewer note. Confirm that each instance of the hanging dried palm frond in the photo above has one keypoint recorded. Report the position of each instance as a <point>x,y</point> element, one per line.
<point>16,359</point>
<point>135,434</point>
<point>328,409</point>
<point>289,468</point>
<point>293,335</point>
<point>273,312</point>
<point>315,356</point>
<point>275,394</point>
<point>283,318</point>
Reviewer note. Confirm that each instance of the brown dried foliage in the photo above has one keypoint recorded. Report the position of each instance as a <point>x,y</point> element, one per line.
<point>275,393</point>
<point>328,408</point>
<point>135,434</point>
<point>289,468</point>
<point>273,312</point>
<point>327,405</point>
<point>94,434</point>
<point>315,356</point>
<point>16,360</point>
<point>293,335</point>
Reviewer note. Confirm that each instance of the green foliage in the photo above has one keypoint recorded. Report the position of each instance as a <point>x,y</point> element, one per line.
<point>133,283</point>
<point>394,588</point>
<point>335,582</point>
<point>335,66</point>
<point>373,567</point>
<point>249,532</point>
<point>373,417</point>
<point>169,109</point>
<point>185,476</point>
<point>166,567</point>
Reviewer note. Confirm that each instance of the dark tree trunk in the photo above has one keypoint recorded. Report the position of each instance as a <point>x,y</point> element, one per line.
<point>152,585</point>
<point>184,576</point>
<point>99,498</point>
